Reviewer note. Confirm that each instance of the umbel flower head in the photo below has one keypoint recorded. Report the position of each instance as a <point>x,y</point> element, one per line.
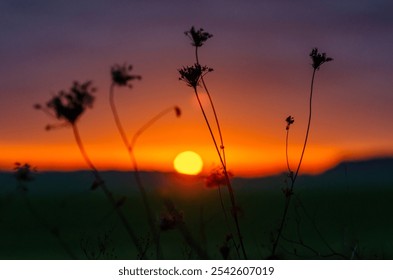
<point>290,120</point>
<point>191,75</point>
<point>177,111</point>
<point>171,218</point>
<point>24,173</point>
<point>198,37</point>
<point>217,178</point>
<point>318,58</point>
<point>69,105</point>
<point>121,75</point>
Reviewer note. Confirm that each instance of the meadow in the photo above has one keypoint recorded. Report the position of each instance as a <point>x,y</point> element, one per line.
<point>344,213</point>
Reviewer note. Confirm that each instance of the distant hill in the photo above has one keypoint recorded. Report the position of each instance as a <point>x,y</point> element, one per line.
<point>365,173</point>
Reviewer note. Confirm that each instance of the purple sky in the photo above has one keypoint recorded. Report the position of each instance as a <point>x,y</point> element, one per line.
<point>259,52</point>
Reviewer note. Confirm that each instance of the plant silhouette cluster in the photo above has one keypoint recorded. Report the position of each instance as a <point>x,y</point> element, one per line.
<point>67,108</point>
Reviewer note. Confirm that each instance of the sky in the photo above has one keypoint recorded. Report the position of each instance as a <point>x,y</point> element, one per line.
<point>262,72</point>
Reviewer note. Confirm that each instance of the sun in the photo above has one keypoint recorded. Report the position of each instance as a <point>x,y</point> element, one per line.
<point>188,162</point>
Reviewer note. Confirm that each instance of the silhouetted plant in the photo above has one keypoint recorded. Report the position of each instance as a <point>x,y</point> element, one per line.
<point>98,246</point>
<point>122,77</point>
<point>198,37</point>
<point>68,106</point>
<point>171,219</point>
<point>24,173</point>
<point>193,76</point>
<point>317,60</point>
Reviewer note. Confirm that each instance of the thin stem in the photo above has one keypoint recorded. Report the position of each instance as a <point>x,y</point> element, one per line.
<point>138,179</point>
<point>286,151</point>
<point>222,147</point>
<point>116,116</point>
<point>308,126</point>
<point>108,194</point>
<point>229,185</point>
<point>83,151</point>
<point>294,177</point>
<point>214,110</point>
<point>317,229</point>
<point>131,148</point>
<point>226,218</point>
<point>148,124</point>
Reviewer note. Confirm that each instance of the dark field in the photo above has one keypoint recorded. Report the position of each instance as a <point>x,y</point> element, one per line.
<point>345,213</point>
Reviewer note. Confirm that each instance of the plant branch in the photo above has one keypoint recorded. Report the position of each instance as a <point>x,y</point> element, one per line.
<point>229,186</point>
<point>294,177</point>
<point>138,180</point>
<point>108,194</point>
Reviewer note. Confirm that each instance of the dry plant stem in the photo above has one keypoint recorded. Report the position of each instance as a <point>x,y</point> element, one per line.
<point>229,186</point>
<point>308,128</point>
<point>136,172</point>
<point>214,110</point>
<point>293,177</point>
<point>131,148</point>
<point>286,152</point>
<point>192,243</point>
<point>318,231</point>
<point>222,156</point>
<point>108,194</point>
<point>45,224</point>
<point>147,125</point>
<point>226,219</point>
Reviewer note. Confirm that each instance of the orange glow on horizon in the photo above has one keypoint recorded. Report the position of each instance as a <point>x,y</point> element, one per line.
<point>241,162</point>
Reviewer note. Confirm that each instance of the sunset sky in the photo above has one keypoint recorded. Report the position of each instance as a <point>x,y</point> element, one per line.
<point>262,71</point>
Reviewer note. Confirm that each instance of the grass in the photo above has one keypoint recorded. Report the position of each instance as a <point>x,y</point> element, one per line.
<point>339,214</point>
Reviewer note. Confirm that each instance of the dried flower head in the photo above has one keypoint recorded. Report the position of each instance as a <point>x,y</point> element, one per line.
<point>217,178</point>
<point>121,75</point>
<point>318,58</point>
<point>225,248</point>
<point>24,173</point>
<point>198,37</point>
<point>290,120</point>
<point>191,75</point>
<point>69,105</point>
<point>287,192</point>
<point>171,218</point>
<point>177,111</point>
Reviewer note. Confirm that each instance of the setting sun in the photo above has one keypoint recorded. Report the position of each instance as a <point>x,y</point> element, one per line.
<point>188,162</point>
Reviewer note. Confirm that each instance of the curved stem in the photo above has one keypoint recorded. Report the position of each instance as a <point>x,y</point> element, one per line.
<point>148,124</point>
<point>293,178</point>
<point>116,116</point>
<point>308,126</point>
<point>131,148</point>
<point>226,219</point>
<point>108,194</point>
<point>136,172</point>
<point>214,110</point>
<point>83,151</point>
<point>228,182</point>
<point>222,157</point>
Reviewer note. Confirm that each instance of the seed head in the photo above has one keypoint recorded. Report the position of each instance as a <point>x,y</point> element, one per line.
<point>121,75</point>
<point>198,37</point>
<point>191,75</point>
<point>217,178</point>
<point>318,58</point>
<point>69,105</point>
<point>290,120</point>
<point>24,173</point>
